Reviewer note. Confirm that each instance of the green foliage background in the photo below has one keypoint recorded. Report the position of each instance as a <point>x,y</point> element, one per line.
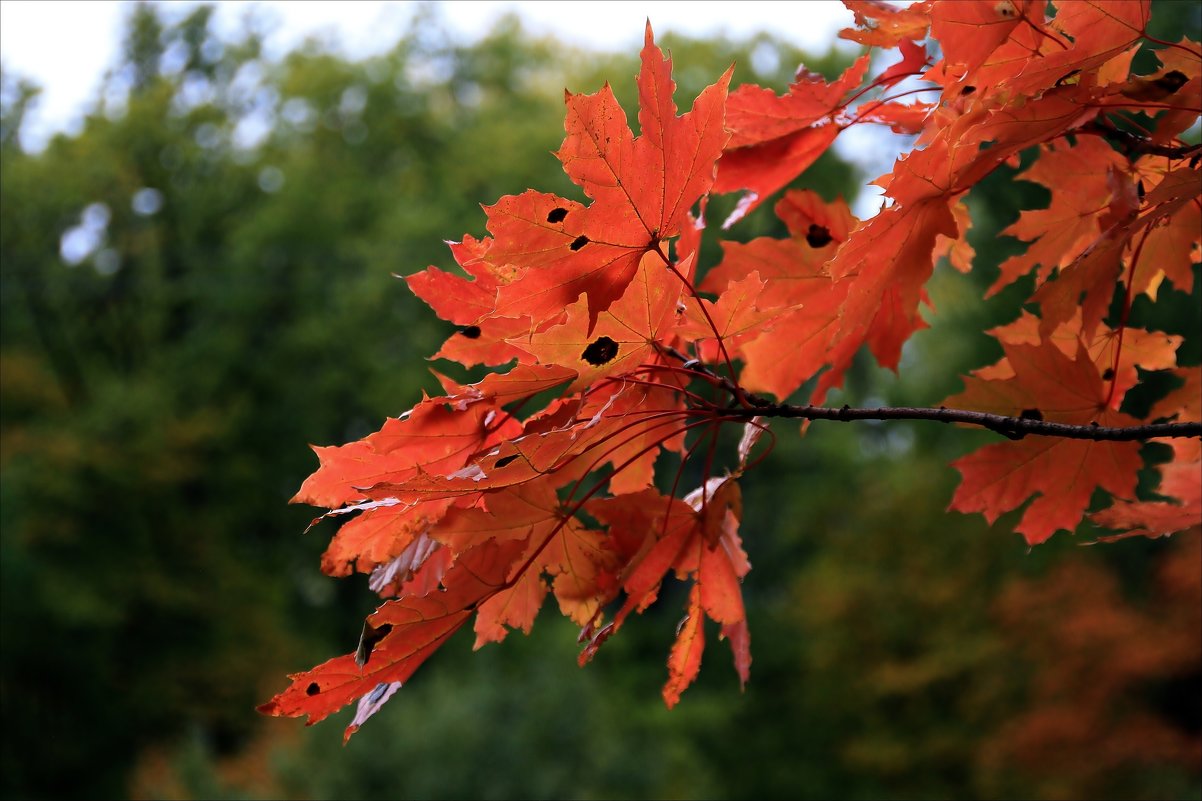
<point>157,397</point>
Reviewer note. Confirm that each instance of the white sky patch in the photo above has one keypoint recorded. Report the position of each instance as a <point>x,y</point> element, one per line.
<point>66,46</point>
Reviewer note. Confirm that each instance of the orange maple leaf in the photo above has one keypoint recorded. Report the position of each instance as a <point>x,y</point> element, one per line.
<point>642,189</point>
<point>1063,473</point>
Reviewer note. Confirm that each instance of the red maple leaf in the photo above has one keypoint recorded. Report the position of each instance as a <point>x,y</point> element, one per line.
<point>409,630</point>
<point>1046,385</point>
<point>642,189</point>
<point>881,24</point>
<point>774,138</point>
<point>698,538</point>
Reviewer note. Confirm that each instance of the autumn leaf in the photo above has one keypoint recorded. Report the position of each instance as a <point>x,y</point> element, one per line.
<point>624,335</point>
<point>435,436</point>
<point>698,538</point>
<point>881,24</point>
<point>1088,282</point>
<point>1115,354</point>
<point>1173,245</point>
<point>1063,473</point>
<point>378,534</point>
<point>775,138</point>
<point>1181,481</point>
<point>684,661</point>
<point>456,299</point>
<point>416,628</point>
<point>1079,180</point>
<point>642,189</point>
<point>1185,402</point>
<point>555,542</point>
<point>486,342</point>
<point>970,31</point>
<point>736,317</point>
<point>1011,48</point>
<point>797,289</point>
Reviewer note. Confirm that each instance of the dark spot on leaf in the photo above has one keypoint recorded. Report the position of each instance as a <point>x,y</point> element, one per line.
<point>470,331</point>
<point>968,90</point>
<point>312,689</point>
<point>504,460</point>
<point>1108,374</point>
<point>1171,81</point>
<point>818,236</point>
<point>579,242</point>
<point>601,350</point>
<point>1031,414</point>
<point>557,214</point>
<point>1142,192</point>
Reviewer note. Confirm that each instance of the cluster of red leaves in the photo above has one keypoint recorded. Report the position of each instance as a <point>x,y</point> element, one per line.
<point>468,507</point>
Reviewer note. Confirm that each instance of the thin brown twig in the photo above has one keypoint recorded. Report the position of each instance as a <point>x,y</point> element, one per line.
<point>1133,143</point>
<point>1012,427</point>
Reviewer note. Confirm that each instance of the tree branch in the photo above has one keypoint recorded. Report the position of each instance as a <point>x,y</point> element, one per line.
<point>1012,427</point>
<point>1134,144</point>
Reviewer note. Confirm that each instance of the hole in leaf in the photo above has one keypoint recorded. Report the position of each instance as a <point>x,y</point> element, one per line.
<point>312,689</point>
<point>1031,414</point>
<point>470,331</point>
<point>968,90</point>
<point>579,242</point>
<point>1108,374</point>
<point>1069,78</point>
<point>368,639</point>
<point>504,460</point>
<point>601,350</point>
<point>557,214</point>
<point>818,236</point>
<point>1171,81</point>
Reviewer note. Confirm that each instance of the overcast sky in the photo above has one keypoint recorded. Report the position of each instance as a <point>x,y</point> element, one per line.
<point>66,45</point>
